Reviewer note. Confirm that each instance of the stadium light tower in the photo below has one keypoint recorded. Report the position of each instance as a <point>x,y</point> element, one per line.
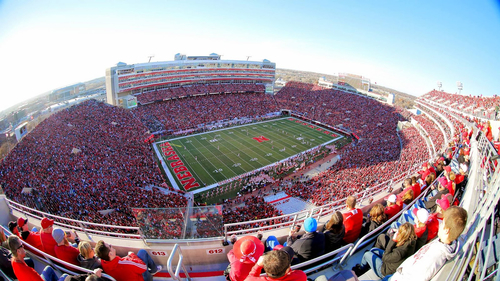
<point>150,57</point>
<point>460,86</point>
<point>439,84</point>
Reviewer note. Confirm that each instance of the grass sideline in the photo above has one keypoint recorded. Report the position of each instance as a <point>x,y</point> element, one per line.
<point>197,161</point>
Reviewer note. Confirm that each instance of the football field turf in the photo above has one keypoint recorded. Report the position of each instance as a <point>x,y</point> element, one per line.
<point>203,160</point>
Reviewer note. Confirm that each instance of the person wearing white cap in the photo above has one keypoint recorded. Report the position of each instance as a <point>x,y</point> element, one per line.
<point>421,217</point>
<point>392,207</point>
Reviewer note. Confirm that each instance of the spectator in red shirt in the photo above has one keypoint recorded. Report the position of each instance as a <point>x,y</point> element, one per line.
<point>129,268</point>
<point>32,238</point>
<point>436,218</point>
<point>353,220</point>
<point>243,256</point>
<point>416,187</point>
<point>48,242</point>
<point>22,271</point>
<point>392,208</point>
<point>64,251</point>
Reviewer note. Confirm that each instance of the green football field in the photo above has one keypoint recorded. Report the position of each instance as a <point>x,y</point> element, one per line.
<point>203,160</point>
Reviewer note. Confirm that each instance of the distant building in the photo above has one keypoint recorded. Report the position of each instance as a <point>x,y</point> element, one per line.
<point>66,92</point>
<point>124,82</point>
<point>322,82</point>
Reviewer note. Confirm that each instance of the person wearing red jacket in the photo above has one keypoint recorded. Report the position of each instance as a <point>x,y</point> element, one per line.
<point>353,220</point>
<point>243,257</point>
<point>436,218</point>
<point>129,268</point>
<point>277,266</point>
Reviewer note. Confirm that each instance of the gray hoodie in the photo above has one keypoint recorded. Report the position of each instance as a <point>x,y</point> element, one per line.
<point>425,263</point>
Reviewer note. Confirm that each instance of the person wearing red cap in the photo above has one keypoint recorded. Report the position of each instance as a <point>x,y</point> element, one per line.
<point>243,256</point>
<point>435,219</point>
<point>424,172</point>
<point>48,242</point>
<point>442,189</point>
<point>32,238</point>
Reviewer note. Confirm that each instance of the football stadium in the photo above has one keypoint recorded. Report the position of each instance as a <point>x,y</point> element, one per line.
<point>191,159</point>
<point>249,140</point>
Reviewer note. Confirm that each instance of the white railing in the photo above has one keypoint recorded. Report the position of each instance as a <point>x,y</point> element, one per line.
<point>83,225</point>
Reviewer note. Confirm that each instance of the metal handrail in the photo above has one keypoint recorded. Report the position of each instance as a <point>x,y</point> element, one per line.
<point>72,220</point>
<point>368,192</point>
<point>53,261</point>
<point>175,275</point>
<point>384,225</point>
<point>14,205</point>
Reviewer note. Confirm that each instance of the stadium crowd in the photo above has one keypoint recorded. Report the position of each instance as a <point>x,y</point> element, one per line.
<point>112,159</point>
<point>107,168</point>
<point>485,107</point>
<point>91,157</point>
<point>189,113</point>
<point>191,90</point>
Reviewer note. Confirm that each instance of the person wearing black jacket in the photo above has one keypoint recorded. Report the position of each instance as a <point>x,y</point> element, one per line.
<point>310,245</point>
<point>334,232</point>
<point>376,218</point>
<point>392,252</point>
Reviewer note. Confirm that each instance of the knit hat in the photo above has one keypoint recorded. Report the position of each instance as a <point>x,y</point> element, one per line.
<point>13,226</point>
<point>447,168</point>
<point>422,215</point>
<point>46,222</point>
<point>271,242</point>
<point>58,235</point>
<point>289,251</point>
<point>248,249</point>
<point>444,203</point>
<point>310,225</point>
<point>443,181</point>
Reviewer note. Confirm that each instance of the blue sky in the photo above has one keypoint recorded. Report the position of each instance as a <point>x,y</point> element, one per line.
<point>406,45</point>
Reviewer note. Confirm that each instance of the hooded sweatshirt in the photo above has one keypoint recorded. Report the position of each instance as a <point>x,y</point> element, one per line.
<point>425,263</point>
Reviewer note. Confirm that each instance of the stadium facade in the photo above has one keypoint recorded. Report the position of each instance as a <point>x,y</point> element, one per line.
<point>125,81</point>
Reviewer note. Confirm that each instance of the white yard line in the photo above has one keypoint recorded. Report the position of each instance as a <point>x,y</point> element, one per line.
<point>201,166</point>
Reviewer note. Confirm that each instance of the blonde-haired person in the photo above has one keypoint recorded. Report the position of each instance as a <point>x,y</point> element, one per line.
<point>392,252</point>
<point>87,258</point>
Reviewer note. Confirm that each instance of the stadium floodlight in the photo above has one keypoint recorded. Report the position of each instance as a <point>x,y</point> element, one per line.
<point>150,57</point>
<point>460,86</point>
<point>439,84</point>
